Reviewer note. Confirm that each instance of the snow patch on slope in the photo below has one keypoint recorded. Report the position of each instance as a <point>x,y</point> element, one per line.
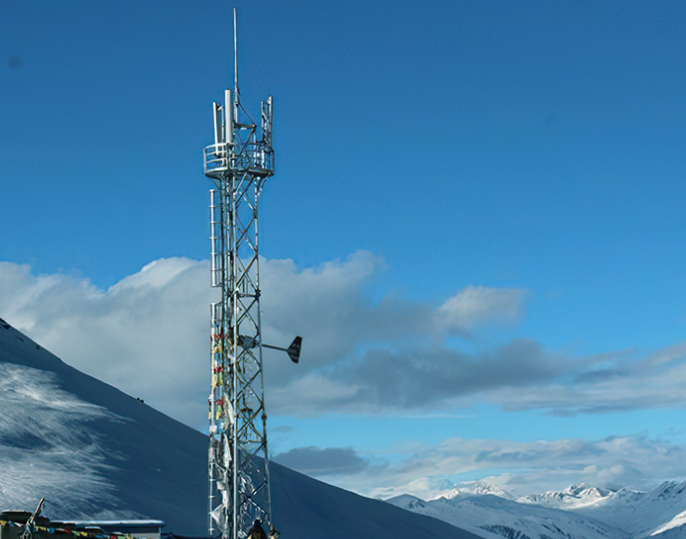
<point>44,449</point>
<point>677,521</point>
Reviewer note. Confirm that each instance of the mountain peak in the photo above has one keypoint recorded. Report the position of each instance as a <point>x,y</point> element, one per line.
<point>572,497</point>
<point>669,489</point>
<point>473,488</point>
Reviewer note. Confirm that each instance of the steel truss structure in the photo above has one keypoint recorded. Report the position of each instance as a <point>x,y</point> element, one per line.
<point>239,162</point>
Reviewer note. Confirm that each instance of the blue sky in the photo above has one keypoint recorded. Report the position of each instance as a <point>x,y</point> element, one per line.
<point>523,158</point>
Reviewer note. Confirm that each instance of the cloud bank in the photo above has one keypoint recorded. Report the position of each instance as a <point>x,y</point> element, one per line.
<point>429,471</point>
<point>149,335</point>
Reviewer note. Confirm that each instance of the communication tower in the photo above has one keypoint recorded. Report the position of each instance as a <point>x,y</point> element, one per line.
<point>239,163</point>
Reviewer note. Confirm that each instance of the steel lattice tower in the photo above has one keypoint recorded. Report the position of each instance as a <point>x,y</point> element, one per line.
<point>239,162</point>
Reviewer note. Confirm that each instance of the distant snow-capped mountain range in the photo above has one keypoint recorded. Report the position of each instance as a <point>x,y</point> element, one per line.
<point>578,512</point>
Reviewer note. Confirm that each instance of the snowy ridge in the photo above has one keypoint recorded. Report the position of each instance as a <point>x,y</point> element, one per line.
<point>644,513</point>
<point>495,517</point>
<point>578,512</point>
<point>96,453</point>
<point>573,497</point>
<point>474,488</point>
<point>641,514</point>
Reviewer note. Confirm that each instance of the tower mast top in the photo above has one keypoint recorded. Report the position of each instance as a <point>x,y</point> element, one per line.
<point>235,56</point>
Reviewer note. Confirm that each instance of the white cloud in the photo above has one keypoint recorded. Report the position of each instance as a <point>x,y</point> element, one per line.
<point>476,305</point>
<point>669,353</point>
<point>420,379</point>
<point>521,468</point>
<point>148,334</point>
<point>324,462</point>
<point>608,383</point>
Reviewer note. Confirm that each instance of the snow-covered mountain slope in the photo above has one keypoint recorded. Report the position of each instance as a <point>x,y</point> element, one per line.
<point>95,452</point>
<point>90,449</point>
<point>308,509</point>
<point>673,528</point>
<point>642,513</point>
<point>573,497</point>
<point>578,512</point>
<point>495,517</point>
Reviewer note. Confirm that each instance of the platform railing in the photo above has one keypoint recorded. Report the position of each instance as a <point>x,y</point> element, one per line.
<point>254,157</point>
